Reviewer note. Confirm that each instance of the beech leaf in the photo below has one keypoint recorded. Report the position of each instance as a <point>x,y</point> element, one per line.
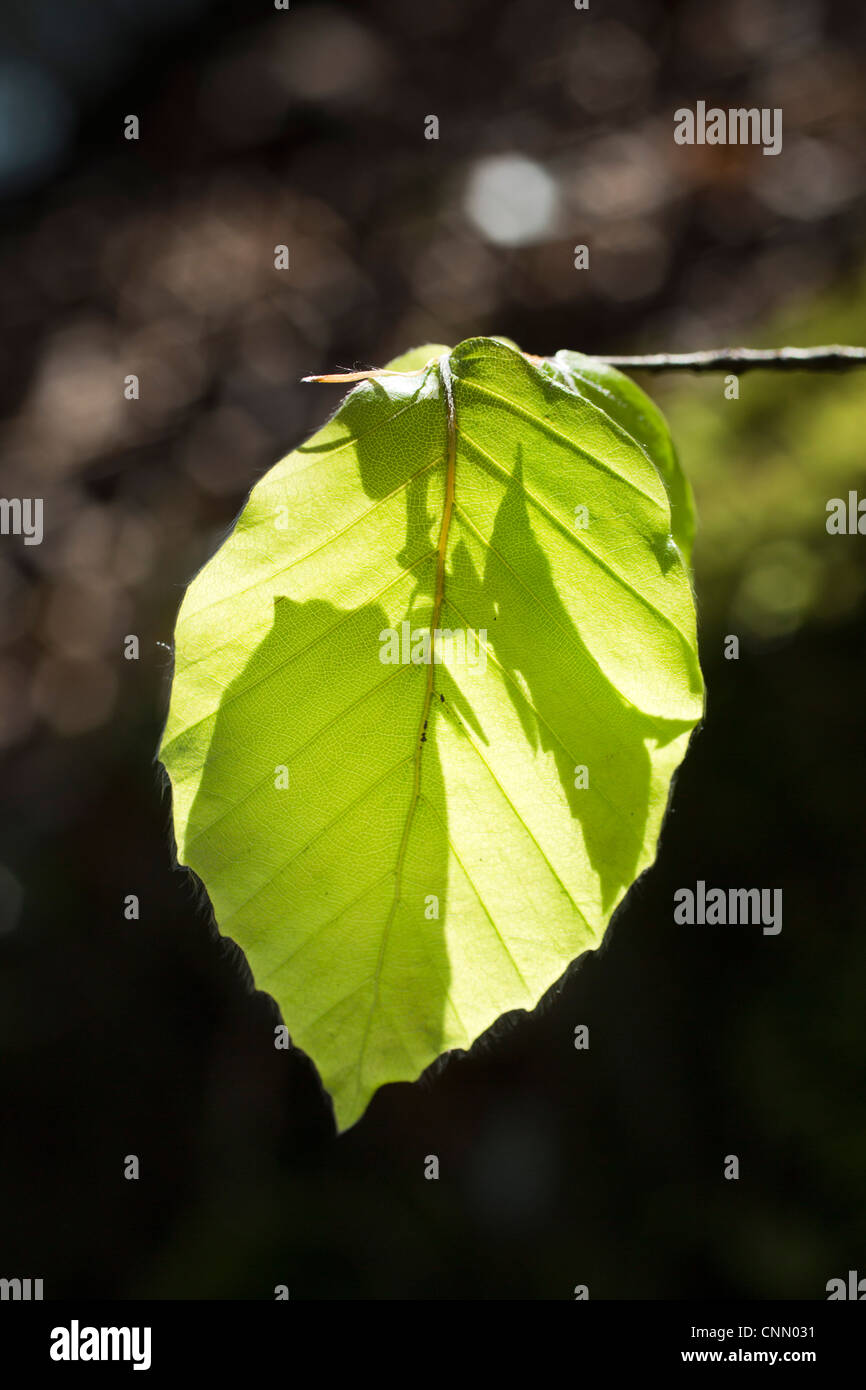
<point>429,697</point>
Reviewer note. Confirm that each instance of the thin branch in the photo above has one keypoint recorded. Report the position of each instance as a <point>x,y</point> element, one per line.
<point>738,360</point>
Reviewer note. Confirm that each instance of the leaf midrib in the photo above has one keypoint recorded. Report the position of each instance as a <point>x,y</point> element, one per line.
<point>445,382</point>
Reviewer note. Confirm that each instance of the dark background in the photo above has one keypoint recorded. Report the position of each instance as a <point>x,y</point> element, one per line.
<point>306,127</point>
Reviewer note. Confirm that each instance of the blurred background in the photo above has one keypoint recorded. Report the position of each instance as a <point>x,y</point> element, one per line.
<point>305,127</point>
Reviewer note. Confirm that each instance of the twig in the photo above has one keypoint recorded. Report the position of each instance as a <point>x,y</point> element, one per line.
<point>788,359</point>
<point>738,360</point>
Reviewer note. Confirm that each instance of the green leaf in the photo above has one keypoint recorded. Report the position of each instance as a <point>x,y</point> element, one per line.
<point>435,859</point>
